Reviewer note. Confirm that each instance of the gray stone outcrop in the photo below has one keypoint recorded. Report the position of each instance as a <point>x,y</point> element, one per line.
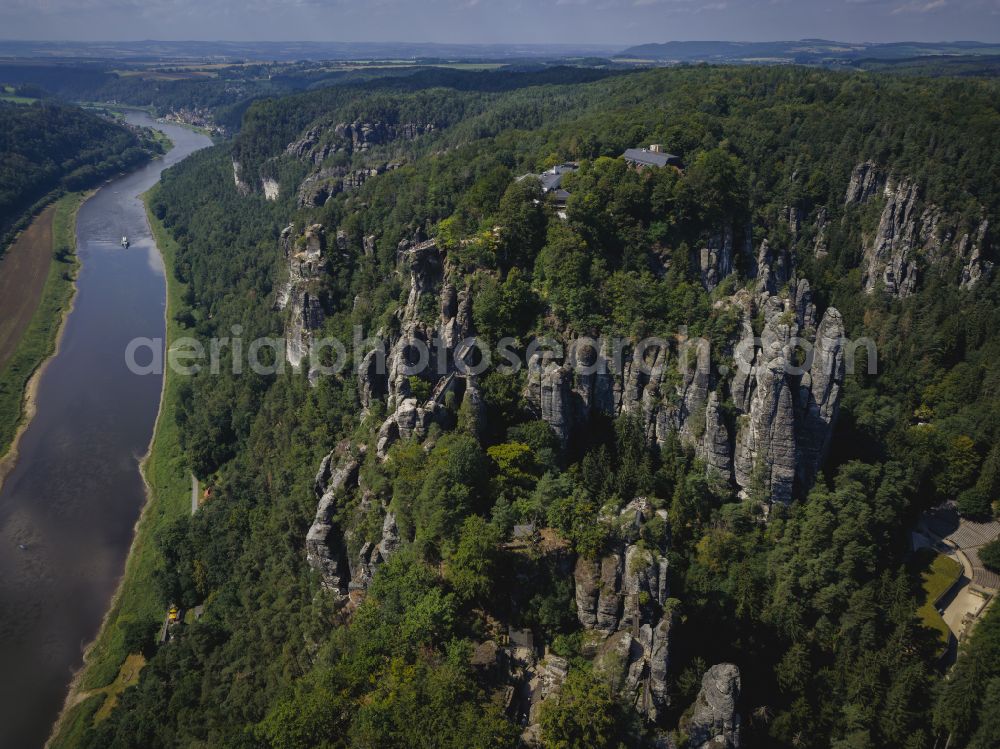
<point>623,598</point>
<point>715,722</point>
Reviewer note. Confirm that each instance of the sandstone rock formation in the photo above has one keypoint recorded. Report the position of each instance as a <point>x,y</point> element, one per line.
<point>971,250</point>
<point>325,549</point>
<point>765,446</point>
<point>242,186</point>
<point>323,141</point>
<point>330,176</point>
<point>715,722</point>
<point>327,182</point>
<point>865,182</point>
<point>820,247</point>
<point>373,554</point>
<point>300,293</point>
<point>785,413</point>
<point>890,257</point>
<point>913,235</point>
<point>270,187</point>
<point>622,597</point>
<point>328,547</point>
<point>430,350</point>
<point>819,391</point>
<point>715,261</point>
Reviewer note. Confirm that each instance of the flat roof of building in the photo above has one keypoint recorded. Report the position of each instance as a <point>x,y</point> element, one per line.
<point>649,158</point>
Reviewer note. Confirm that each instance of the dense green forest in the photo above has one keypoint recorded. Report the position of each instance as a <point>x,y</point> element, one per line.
<point>816,605</point>
<point>48,148</point>
<point>227,91</point>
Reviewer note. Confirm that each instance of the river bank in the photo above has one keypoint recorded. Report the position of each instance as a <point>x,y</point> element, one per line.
<point>36,295</point>
<point>108,666</point>
<point>32,342</point>
<point>70,506</point>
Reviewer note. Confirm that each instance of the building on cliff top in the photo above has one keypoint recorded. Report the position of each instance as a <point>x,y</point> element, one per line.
<point>652,156</point>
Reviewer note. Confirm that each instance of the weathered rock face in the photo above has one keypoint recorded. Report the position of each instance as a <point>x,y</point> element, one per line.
<point>243,187</point>
<point>565,395</point>
<point>971,251</point>
<point>820,393</point>
<point>777,410</point>
<point>327,545</point>
<point>270,187</point>
<point>774,268</point>
<point>385,373</point>
<point>866,180</point>
<point>788,410</point>
<point>715,723</point>
<point>321,142</point>
<point>716,446</point>
<point>793,217</point>
<point>622,597</point>
<point>326,552</point>
<point>549,389</point>
<point>820,247</point>
<point>300,293</point>
<point>587,577</point>
<point>343,140</point>
<point>715,260</point>
<point>765,445</point>
<point>913,236</point>
<point>320,186</point>
<point>427,349</point>
<point>327,182</point>
<point>725,250</point>
<point>890,258</point>
<point>373,554</point>
<point>784,415</point>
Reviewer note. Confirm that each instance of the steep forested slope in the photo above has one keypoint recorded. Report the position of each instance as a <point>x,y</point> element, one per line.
<point>659,555</point>
<point>49,147</point>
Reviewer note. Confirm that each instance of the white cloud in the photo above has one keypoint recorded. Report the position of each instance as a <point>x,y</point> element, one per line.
<point>920,7</point>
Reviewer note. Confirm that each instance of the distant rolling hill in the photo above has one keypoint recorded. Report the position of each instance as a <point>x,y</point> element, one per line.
<point>803,51</point>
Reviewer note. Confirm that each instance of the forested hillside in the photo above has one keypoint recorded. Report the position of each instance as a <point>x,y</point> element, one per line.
<point>48,148</point>
<point>660,555</point>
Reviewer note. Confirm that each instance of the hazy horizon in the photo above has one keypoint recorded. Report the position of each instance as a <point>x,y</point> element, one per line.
<point>576,22</point>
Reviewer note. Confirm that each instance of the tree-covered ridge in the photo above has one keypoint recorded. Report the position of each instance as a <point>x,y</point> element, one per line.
<point>816,607</point>
<point>47,147</point>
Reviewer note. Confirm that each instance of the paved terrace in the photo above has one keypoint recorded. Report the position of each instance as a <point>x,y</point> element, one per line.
<point>968,537</point>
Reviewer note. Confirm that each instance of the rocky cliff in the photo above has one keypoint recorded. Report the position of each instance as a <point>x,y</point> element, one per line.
<point>715,722</point>
<point>784,389</point>
<point>269,186</point>
<point>330,151</point>
<point>320,142</point>
<point>341,156</point>
<point>622,599</point>
<point>913,235</point>
<point>344,562</point>
<point>326,552</point>
<point>425,350</point>
<point>428,349</point>
<point>299,295</point>
<point>323,184</point>
<point>723,252</point>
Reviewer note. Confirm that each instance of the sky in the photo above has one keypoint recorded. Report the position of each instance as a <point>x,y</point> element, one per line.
<point>613,22</point>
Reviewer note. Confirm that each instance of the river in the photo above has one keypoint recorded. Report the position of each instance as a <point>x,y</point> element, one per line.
<point>75,494</point>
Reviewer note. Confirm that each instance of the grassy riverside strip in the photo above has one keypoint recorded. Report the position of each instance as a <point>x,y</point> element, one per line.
<point>40,339</point>
<point>168,488</point>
